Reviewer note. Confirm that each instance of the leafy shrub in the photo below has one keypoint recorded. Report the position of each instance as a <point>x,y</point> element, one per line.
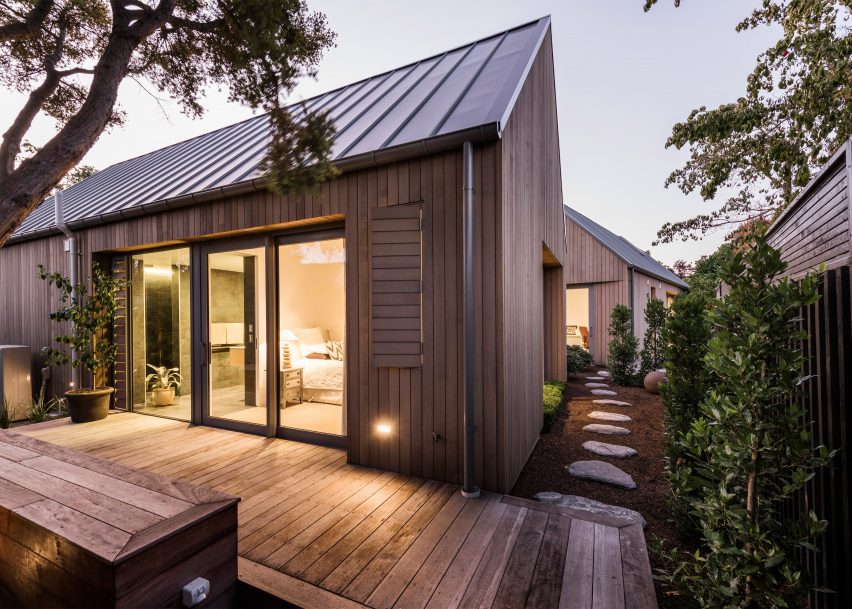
<point>752,441</point>
<point>39,410</point>
<point>5,413</point>
<point>553,393</point>
<point>578,359</point>
<point>651,356</point>
<point>622,347</point>
<point>686,335</point>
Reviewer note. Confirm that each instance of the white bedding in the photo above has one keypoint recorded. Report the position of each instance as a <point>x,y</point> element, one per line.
<point>321,373</point>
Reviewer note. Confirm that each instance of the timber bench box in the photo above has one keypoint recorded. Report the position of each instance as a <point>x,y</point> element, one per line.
<point>77,531</point>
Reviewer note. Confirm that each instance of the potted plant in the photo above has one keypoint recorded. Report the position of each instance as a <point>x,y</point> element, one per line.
<point>90,315</point>
<point>163,382</point>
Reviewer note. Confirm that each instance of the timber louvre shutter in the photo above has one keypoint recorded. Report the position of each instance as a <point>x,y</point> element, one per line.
<point>396,286</point>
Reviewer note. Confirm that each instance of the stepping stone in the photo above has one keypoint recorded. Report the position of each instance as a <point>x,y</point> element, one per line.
<point>596,385</point>
<point>602,373</point>
<point>595,378</point>
<point>612,402</point>
<point>607,430</point>
<point>609,450</point>
<point>603,392</point>
<point>601,471</point>
<point>575,502</point>
<point>608,416</point>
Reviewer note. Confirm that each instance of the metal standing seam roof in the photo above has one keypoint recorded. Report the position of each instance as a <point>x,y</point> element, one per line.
<point>625,250</point>
<point>466,93</point>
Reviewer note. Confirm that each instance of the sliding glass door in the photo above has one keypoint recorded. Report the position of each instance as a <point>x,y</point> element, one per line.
<point>311,321</point>
<point>233,331</point>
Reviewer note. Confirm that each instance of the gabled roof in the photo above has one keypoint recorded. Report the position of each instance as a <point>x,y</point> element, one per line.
<point>466,93</point>
<point>625,250</point>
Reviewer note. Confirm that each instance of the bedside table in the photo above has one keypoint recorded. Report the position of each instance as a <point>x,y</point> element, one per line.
<point>291,385</point>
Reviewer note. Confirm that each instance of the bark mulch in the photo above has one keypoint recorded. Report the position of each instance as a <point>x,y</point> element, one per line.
<point>547,470</point>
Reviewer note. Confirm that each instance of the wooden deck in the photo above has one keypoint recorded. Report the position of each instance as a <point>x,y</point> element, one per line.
<point>319,532</point>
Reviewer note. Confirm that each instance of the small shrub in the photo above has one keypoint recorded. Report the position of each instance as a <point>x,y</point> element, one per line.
<point>752,442</point>
<point>578,359</point>
<point>651,356</point>
<point>553,393</point>
<point>5,413</point>
<point>686,335</point>
<point>39,410</point>
<point>622,347</point>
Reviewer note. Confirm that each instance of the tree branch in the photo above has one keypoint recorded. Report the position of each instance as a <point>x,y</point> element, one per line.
<point>11,145</point>
<point>30,25</point>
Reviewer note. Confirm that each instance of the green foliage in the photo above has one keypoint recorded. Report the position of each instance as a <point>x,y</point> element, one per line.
<point>5,413</point>
<point>163,378</point>
<point>69,58</point>
<point>686,337</point>
<point>90,315</point>
<point>795,112</point>
<point>706,274</point>
<point>578,359</point>
<point>623,347</point>
<point>651,356</point>
<point>752,443</point>
<point>39,410</point>
<point>553,394</point>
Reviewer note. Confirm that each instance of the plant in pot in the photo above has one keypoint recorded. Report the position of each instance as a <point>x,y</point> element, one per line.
<point>89,315</point>
<point>163,383</point>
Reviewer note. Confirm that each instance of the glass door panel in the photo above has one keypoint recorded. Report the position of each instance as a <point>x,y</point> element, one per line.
<point>236,335</point>
<point>312,320</point>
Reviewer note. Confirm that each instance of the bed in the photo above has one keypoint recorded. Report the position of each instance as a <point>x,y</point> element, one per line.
<point>322,380</point>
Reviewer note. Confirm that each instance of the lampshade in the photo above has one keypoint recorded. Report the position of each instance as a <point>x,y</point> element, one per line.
<point>287,335</point>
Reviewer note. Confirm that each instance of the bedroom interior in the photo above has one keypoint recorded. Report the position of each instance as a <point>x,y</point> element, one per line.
<point>311,321</point>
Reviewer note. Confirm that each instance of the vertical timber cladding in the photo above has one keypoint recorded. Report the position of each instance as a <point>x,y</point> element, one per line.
<point>396,327</point>
<point>118,267</point>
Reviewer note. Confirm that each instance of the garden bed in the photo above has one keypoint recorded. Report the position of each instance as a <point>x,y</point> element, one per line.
<point>546,469</point>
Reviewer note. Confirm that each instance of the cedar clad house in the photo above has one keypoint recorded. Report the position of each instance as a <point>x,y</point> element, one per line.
<point>603,269</point>
<point>339,317</point>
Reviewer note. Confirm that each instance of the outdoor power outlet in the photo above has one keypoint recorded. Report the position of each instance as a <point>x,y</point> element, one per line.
<point>195,592</point>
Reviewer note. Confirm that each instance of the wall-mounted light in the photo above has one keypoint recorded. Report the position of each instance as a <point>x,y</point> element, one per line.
<point>383,428</point>
<point>156,271</point>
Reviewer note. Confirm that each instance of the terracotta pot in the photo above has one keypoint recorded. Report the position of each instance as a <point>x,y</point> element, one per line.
<point>653,380</point>
<point>87,405</point>
<point>164,396</point>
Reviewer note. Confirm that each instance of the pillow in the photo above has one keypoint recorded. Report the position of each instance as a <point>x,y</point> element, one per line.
<point>335,349</point>
<point>311,340</point>
<point>335,334</point>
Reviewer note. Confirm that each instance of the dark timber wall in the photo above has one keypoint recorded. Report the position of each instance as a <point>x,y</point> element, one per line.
<point>517,203</point>
<point>814,230</point>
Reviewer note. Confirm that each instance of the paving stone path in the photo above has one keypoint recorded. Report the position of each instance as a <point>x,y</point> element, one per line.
<point>585,504</point>
<point>601,471</point>
<point>607,430</point>
<point>609,450</point>
<point>603,392</point>
<point>603,373</point>
<point>596,385</point>
<point>612,402</point>
<point>608,416</point>
<point>595,378</point>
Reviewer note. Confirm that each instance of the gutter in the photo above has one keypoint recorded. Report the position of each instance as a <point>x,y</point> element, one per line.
<point>72,248</point>
<point>631,282</point>
<point>486,133</point>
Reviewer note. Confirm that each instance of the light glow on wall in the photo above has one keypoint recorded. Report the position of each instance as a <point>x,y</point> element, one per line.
<point>383,428</point>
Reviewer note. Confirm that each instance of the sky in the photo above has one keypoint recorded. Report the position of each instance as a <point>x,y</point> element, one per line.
<point>623,79</point>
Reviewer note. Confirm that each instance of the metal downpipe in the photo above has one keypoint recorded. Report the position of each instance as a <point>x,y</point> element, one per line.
<point>72,247</point>
<point>469,489</point>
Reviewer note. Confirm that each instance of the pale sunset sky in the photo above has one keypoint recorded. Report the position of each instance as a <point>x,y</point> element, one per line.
<point>623,78</point>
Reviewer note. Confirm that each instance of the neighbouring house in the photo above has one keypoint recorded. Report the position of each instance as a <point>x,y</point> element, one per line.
<point>603,269</point>
<point>814,230</point>
<point>337,317</point>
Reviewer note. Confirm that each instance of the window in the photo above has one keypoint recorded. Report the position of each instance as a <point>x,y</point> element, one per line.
<point>160,363</point>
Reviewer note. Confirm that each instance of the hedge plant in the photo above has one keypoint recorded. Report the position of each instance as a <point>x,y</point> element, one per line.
<point>685,338</point>
<point>578,359</point>
<point>552,397</point>
<point>622,347</point>
<point>651,356</point>
<point>752,441</point>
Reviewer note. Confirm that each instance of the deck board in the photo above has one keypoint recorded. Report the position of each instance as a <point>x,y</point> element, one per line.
<point>319,532</point>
